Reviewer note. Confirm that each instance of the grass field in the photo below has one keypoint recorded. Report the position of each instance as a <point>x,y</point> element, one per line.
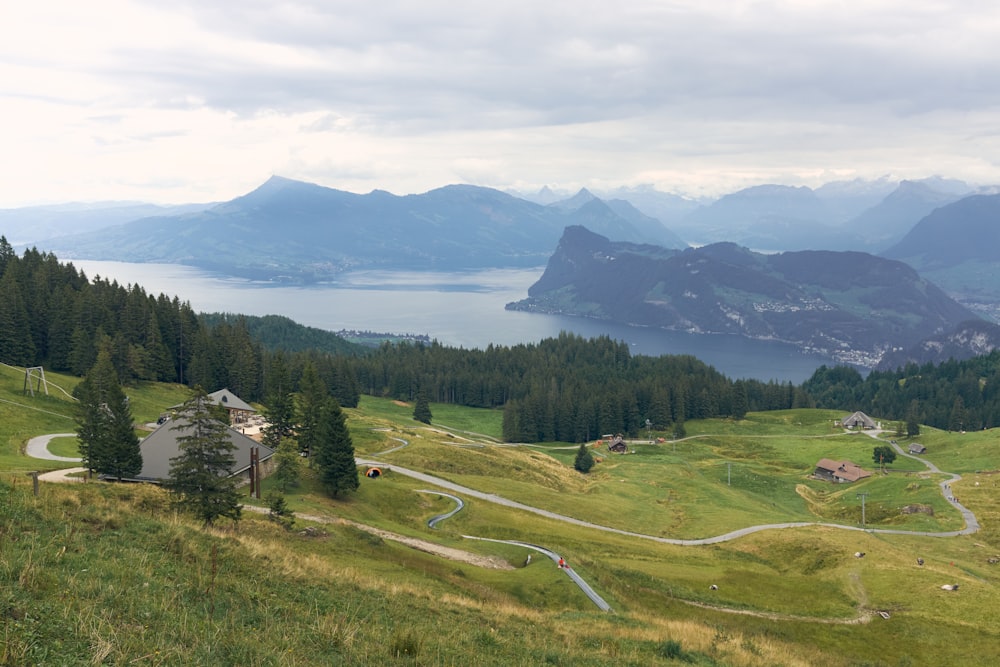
<point>105,574</point>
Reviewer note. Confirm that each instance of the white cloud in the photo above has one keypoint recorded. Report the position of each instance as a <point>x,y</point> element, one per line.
<point>196,101</point>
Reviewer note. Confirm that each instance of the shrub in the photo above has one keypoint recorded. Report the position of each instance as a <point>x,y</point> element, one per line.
<point>671,650</point>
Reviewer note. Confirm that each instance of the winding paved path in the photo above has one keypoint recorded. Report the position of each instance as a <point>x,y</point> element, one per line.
<point>971,526</point>
<point>555,557</point>
<point>38,448</point>
<point>971,522</point>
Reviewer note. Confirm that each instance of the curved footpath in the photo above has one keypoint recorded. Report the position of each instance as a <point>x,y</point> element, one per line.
<point>38,448</point>
<point>971,524</point>
<point>556,558</point>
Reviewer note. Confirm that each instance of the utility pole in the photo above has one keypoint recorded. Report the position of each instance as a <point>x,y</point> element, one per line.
<point>729,473</point>
<point>862,496</point>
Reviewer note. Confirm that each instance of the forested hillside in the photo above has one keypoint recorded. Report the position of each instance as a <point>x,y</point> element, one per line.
<point>954,395</point>
<point>568,388</point>
<point>53,315</point>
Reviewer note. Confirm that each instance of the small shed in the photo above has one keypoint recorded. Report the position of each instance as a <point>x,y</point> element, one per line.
<point>617,444</point>
<point>917,448</point>
<point>858,420</point>
<point>840,471</point>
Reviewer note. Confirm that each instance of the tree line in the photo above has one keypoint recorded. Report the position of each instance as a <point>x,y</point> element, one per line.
<point>952,395</point>
<point>567,388</point>
<point>53,315</point>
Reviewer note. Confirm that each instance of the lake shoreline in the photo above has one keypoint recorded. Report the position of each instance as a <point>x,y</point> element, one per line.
<point>461,309</point>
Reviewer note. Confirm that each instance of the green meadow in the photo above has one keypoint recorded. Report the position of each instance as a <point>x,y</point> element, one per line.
<point>110,574</point>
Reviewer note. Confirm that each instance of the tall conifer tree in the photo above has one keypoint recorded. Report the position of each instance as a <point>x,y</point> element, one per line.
<point>312,397</point>
<point>422,408</point>
<point>280,409</point>
<point>584,459</point>
<point>335,452</point>
<point>200,474</point>
<point>108,443</point>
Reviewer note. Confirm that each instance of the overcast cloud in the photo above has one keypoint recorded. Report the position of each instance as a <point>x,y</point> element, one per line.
<point>203,101</point>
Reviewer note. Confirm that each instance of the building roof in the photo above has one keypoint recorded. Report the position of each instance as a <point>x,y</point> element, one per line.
<point>858,419</point>
<point>845,470</point>
<point>917,448</point>
<point>161,445</point>
<point>228,400</point>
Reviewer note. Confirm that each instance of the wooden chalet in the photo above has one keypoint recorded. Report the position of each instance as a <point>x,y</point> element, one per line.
<point>617,444</point>
<point>858,420</point>
<point>239,410</point>
<point>917,448</point>
<point>840,472</point>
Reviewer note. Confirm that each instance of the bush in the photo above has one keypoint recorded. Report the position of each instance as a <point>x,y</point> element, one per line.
<point>671,650</point>
<point>404,645</point>
<point>279,511</point>
<point>584,460</point>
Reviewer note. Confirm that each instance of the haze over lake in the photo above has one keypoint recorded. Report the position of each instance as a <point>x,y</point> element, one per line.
<point>456,309</point>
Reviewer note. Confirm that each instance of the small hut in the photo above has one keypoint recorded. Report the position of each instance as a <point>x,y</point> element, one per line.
<point>617,444</point>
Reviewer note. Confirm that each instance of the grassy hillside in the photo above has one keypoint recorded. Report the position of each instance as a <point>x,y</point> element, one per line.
<point>105,574</point>
<point>24,413</point>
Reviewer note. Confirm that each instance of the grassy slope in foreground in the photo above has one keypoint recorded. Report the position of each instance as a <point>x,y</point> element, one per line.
<point>94,572</point>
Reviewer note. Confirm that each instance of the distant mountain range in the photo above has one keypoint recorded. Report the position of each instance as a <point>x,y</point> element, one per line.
<point>290,230</point>
<point>863,215</point>
<point>957,246</point>
<point>35,224</point>
<point>851,306</point>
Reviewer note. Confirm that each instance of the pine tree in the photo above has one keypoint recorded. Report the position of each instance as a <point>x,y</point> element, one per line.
<point>312,396</point>
<point>335,452</point>
<point>286,470</point>
<point>913,420</point>
<point>200,475</point>
<point>108,443</point>
<point>740,400</point>
<point>584,459</point>
<point>16,344</point>
<point>422,409</point>
<point>280,409</point>
<point>959,415</point>
<point>7,254</point>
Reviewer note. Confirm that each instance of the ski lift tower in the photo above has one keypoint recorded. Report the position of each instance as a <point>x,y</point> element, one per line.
<point>35,374</point>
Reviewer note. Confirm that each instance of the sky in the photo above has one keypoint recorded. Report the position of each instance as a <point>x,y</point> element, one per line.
<point>203,100</point>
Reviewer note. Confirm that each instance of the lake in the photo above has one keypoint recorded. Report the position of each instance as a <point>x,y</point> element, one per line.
<point>460,310</point>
